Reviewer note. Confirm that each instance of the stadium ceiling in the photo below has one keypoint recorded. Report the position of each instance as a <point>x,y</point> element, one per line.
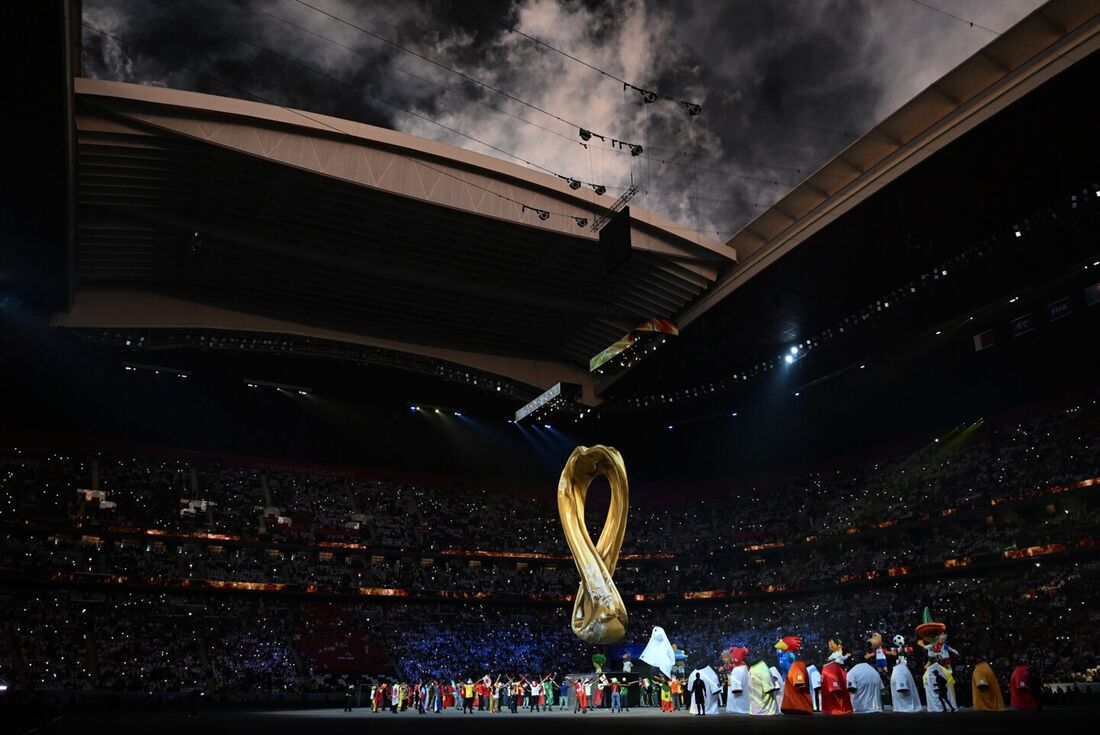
<point>197,212</point>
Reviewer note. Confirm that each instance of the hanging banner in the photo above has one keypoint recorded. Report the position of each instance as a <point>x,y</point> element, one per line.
<point>1023,324</point>
<point>1060,308</point>
<point>983,340</point>
<point>1092,294</point>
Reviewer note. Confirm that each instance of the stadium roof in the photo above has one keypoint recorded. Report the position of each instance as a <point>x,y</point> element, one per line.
<point>204,212</point>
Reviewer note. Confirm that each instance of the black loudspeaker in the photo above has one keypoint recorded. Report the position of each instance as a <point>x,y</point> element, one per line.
<point>615,242</point>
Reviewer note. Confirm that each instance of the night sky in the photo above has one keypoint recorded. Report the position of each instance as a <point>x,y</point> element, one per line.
<point>784,85</point>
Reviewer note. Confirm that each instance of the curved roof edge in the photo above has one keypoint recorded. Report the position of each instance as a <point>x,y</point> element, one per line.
<point>403,144</point>
<point>1046,42</point>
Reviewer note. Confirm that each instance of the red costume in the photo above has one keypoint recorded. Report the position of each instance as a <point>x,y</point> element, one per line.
<point>582,698</point>
<point>835,699</point>
<point>1022,697</point>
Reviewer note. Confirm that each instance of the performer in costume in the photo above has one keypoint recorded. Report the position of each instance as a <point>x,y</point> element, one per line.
<point>737,700</point>
<point>376,695</point>
<point>878,653</point>
<point>1023,696</point>
<point>778,680</point>
<point>835,699</point>
<point>815,686</point>
<point>985,689</point>
<point>563,694</point>
<point>786,651</point>
<point>797,697</point>
<point>763,699</point>
<point>836,651</point>
<point>865,687</point>
<point>939,682</point>
<point>903,688</point>
<point>666,695</point>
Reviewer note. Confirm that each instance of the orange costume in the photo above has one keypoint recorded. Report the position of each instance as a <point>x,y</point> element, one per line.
<point>798,698</point>
<point>986,690</point>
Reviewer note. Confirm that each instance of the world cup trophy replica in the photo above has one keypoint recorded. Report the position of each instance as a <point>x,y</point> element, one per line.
<point>599,615</point>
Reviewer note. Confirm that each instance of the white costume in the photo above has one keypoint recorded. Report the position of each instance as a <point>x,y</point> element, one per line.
<point>713,689</point>
<point>738,699</point>
<point>658,652</point>
<point>779,685</point>
<point>939,689</point>
<point>815,686</point>
<point>903,689</point>
<point>865,684</point>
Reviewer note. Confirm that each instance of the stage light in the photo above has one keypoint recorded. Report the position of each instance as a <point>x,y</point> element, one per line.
<point>788,359</point>
<point>1014,299</point>
<point>797,393</point>
<point>547,426</point>
<point>414,408</point>
<point>600,189</point>
<point>938,332</point>
<point>574,184</point>
<point>862,366</point>
<point>437,410</point>
<point>457,414</point>
<point>585,134</point>
<point>635,150</point>
<point>1017,232</point>
<point>733,414</point>
<point>794,350</point>
<point>581,221</point>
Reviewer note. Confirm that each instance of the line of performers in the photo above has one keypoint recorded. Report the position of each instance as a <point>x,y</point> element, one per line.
<point>505,694</point>
<point>740,687</point>
<point>793,687</point>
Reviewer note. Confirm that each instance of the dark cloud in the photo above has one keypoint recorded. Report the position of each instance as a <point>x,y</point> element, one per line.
<point>784,84</point>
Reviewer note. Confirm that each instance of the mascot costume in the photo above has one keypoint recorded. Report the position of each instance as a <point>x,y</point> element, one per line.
<point>903,688</point>
<point>939,682</point>
<point>797,694</point>
<point>985,689</point>
<point>763,699</point>
<point>737,700</point>
<point>835,698</point>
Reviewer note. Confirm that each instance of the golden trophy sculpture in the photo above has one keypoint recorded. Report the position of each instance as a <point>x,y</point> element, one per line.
<point>599,615</point>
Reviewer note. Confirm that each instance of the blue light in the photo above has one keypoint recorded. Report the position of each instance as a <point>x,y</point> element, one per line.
<point>414,408</point>
<point>794,350</point>
<point>789,359</point>
<point>547,426</point>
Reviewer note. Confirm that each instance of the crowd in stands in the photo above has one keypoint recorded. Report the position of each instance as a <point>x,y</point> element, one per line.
<point>244,644</point>
<point>967,470</point>
<point>978,493</point>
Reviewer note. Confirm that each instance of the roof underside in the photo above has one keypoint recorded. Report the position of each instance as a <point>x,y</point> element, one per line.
<point>289,243</point>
